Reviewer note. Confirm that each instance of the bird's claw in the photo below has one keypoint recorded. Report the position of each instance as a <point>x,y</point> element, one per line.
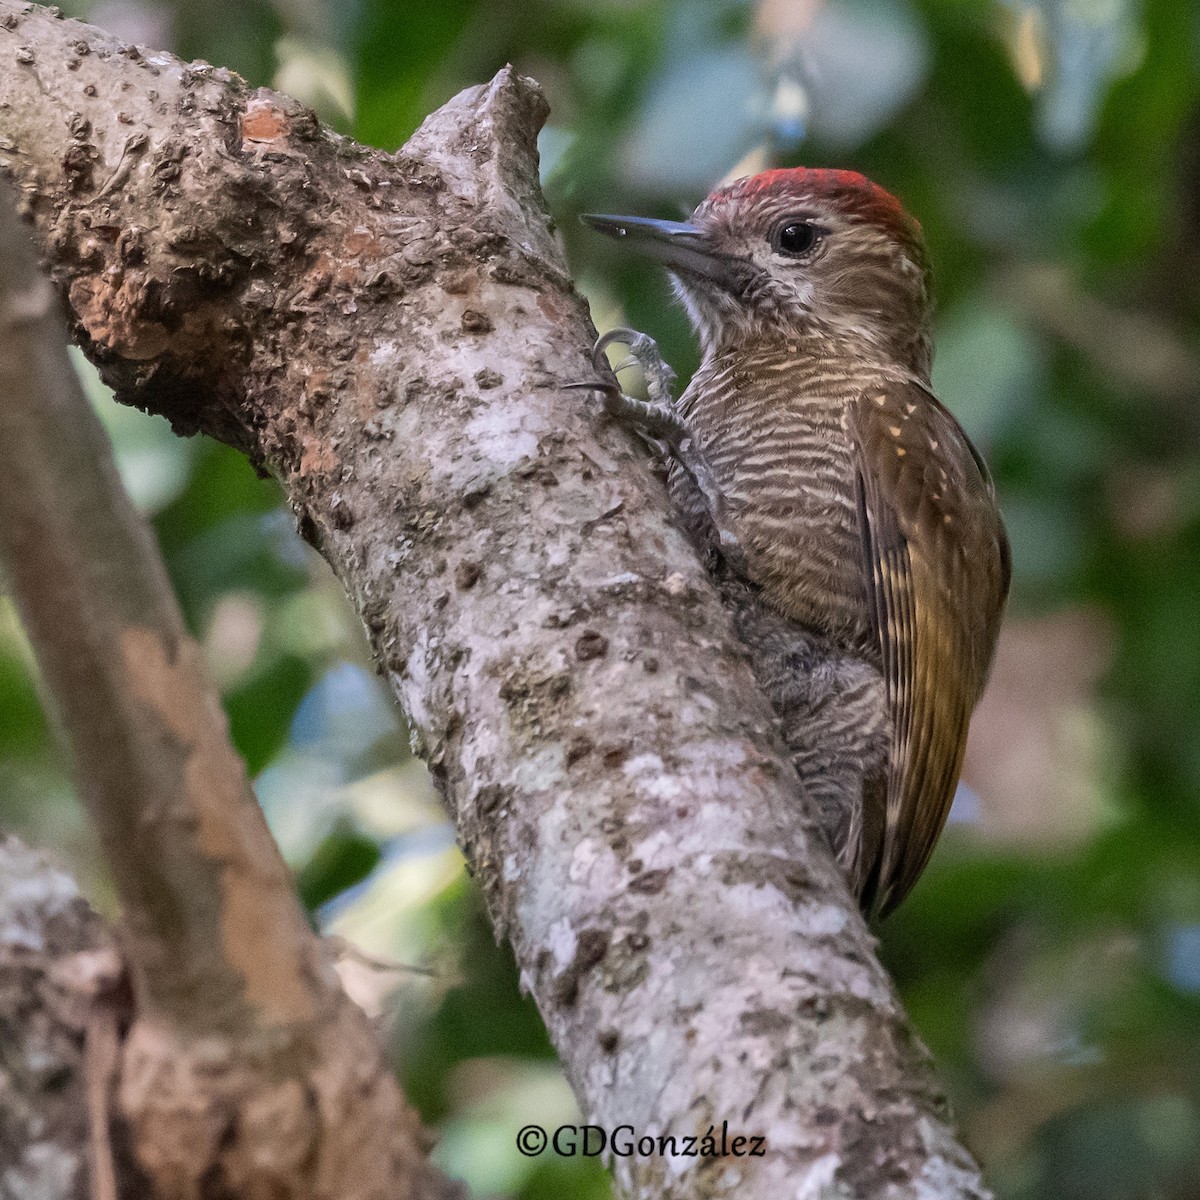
<point>643,352</point>
<point>655,418</point>
<point>658,420</point>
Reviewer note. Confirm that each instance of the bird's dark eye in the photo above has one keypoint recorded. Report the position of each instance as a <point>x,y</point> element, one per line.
<point>795,238</point>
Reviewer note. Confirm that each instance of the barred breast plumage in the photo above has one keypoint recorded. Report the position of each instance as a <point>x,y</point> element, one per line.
<point>771,421</point>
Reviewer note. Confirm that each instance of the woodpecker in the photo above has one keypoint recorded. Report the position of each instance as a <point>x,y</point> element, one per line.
<point>851,524</point>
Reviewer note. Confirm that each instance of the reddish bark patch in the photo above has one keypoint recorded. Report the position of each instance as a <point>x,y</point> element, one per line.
<point>113,320</point>
<point>317,457</point>
<point>263,122</point>
<point>362,243</point>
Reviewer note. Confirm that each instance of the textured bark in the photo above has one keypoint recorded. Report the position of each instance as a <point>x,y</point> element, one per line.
<point>246,1069</point>
<point>386,334</point>
<point>61,988</point>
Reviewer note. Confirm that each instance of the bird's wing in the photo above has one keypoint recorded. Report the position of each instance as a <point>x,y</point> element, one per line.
<point>937,564</point>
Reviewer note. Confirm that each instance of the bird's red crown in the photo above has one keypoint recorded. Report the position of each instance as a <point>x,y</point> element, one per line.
<point>849,191</point>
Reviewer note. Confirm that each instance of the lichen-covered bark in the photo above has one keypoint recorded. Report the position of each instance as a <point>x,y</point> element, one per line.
<point>387,334</point>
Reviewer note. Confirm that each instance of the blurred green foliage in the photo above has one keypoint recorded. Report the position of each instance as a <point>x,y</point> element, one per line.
<point>1051,149</point>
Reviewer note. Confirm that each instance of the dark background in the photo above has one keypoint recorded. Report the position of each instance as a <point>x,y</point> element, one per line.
<point>1051,955</point>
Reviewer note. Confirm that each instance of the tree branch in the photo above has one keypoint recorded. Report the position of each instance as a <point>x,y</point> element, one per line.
<point>247,1066</point>
<point>387,334</point>
<point>61,979</point>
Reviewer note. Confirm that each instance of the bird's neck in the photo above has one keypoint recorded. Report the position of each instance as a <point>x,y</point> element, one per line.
<point>827,347</point>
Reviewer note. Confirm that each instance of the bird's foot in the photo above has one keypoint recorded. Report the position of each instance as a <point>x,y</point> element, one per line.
<point>655,419</point>
<point>643,352</point>
<point>659,420</point>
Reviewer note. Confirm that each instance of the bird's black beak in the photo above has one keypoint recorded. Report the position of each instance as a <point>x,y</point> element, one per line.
<point>678,245</point>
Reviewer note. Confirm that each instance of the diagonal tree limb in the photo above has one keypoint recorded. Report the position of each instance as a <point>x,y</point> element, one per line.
<point>387,335</point>
<point>247,1069</point>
